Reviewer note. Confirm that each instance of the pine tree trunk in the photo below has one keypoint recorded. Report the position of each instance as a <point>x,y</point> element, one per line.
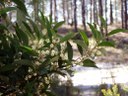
<point>83,14</point>
<point>55,11</point>
<point>125,14</point>
<point>35,4</point>
<point>64,14</point>
<point>67,8</point>
<point>51,7</point>
<point>101,14</point>
<point>122,13</point>
<point>95,16</point>
<point>91,10</point>
<point>75,16</point>
<point>111,12</point>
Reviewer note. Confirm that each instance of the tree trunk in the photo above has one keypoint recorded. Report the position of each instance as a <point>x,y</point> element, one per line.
<point>71,12</point>
<point>91,11</point>
<point>122,13</point>
<point>55,11</point>
<point>75,16</point>
<point>68,17</point>
<point>51,7</point>
<point>35,4</point>
<point>83,14</point>
<point>111,12</point>
<point>125,14</point>
<point>101,14</point>
<point>64,14</point>
<point>95,16</point>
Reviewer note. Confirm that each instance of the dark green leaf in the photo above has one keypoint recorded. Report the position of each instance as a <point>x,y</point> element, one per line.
<point>84,37</point>
<point>80,49</point>
<point>20,4</point>
<point>7,9</point>
<point>36,29</point>
<point>29,30</point>
<point>28,50</point>
<point>89,63</point>
<point>107,44</point>
<point>7,68</point>
<point>117,31</point>
<point>57,25</point>
<point>103,21</point>
<point>3,27</point>
<point>97,35</point>
<point>70,51</point>
<point>21,34</point>
<point>67,37</point>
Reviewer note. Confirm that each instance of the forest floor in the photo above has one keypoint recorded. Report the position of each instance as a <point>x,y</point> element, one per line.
<point>114,61</point>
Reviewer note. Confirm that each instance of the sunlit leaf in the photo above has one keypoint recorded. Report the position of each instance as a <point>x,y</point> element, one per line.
<point>116,31</point>
<point>57,25</point>
<point>84,37</point>
<point>67,37</point>
<point>107,44</point>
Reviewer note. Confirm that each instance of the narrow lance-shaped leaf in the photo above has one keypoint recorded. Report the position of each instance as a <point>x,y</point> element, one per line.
<point>107,44</point>
<point>20,4</point>
<point>70,51</point>
<point>80,49</point>
<point>116,31</point>
<point>7,67</point>
<point>97,35</point>
<point>67,37</point>
<point>22,35</point>
<point>89,63</point>
<point>29,30</point>
<point>84,37</point>
<point>36,29</point>
<point>57,25</point>
<point>7,9</point>
<point>103,21</point>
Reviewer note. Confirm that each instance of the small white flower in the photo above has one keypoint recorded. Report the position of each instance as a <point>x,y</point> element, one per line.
<point>47,40</point>
<point>51,46</point>
<point>35,74</point>
<point>53,53</point>
<point>41,42</point>
<point>44,31</point>
<point>47,52</point>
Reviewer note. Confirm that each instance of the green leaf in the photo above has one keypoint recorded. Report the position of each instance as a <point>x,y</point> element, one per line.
<point>28,50</point>
<point>81,43</point>
<point>80,49</point>
<point>7,9</point>
<point>7,68</point>
<point>36,29</point>
<point>29,30</point>
<point>84,37</point>
<point>57,25</point>
<point>70,51</point>
<point>89,63</point>
<point>21,34</point>
<point>20,4</point>
<point>24,62</point>
<point>97,35</point>
<point>3,27</point>
<point>116,31</point>
<point>103,21</point>
<point>67,37</point>
<point>107,44</point>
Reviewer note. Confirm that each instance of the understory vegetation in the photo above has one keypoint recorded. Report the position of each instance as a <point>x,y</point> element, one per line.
<point>33,54</point>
